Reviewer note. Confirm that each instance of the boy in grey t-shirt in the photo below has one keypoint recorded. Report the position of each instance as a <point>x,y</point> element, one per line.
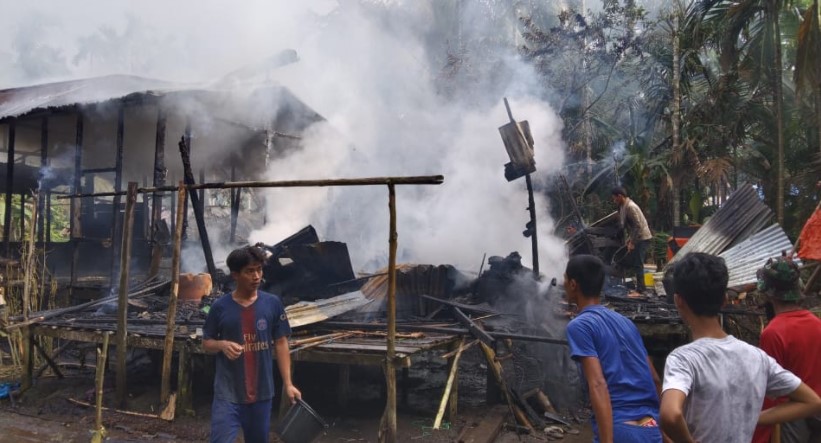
<point>714,387</point>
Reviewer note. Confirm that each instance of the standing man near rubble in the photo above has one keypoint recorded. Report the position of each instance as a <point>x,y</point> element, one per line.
<point>793,339</point>
<point>714,386</point>
<point>638,233</point>
<point>244,328</point>
<point>621,381</point>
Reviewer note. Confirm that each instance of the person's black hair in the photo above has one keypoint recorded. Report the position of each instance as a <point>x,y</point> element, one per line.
<point>618,190</point>
<point>242,257</point>
<point>588,271</point>
<point>701,280</point>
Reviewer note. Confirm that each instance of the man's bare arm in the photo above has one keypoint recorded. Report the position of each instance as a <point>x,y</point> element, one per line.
<point>804,402</point>
<point>673,424</point>
<point>230,349</point>
<point>283,354</point>
<point>599,397</point>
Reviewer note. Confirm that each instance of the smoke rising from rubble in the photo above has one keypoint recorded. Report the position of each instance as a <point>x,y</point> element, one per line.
<point>407,87</point>
<point>375,70</point>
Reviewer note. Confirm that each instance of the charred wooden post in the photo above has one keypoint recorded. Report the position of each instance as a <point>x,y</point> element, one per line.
<point>202,191</point>
<point>9,187</point>
<point>116,249</point>
<point>168,350</point>
<point>196,204</point>
<point>122,299</point>
<point>387,431</point>
<point>43,163</point>
<point>76,205</point>
<point>235,202</point>
<point>519,145</point>
<point>156,199</point>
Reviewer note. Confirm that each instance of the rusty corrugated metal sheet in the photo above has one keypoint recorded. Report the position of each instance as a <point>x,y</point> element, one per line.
<point>18,101</point>
<point>741,216</point>
<point>745,258</point>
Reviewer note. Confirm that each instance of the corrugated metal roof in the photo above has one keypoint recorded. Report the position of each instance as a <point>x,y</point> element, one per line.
<point>18,101</point>
<point>741,216</point>
<point>747,257</point>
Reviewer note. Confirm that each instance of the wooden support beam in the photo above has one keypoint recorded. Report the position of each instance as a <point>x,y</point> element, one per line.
<point>196,204</point>
<point>28,359</point>
<point>387,429</point>
<point>171,315</point>
<point>235,203</point>
<point>117,225</point>
<point>122,300</point>
<point>9,186</point>
<point>185,399</point>
<point>75,227</point>
<point>56,353</point>
<point>48,359</point>
<point>157,199</point>
<point>370,181</point>
<point>43,164</point>
<point>475,329</point>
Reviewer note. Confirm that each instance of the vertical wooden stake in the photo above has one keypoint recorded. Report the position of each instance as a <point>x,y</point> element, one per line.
<point>387,431</point>
<point>122,299</point>
<point>168,348</point>
<point>102,354</point>
<point>446,397</point>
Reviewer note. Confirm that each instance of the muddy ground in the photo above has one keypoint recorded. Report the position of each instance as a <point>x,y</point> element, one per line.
<point>44,413</point>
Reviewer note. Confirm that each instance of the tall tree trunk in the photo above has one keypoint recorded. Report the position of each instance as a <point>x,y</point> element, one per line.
<point>676,114</point>
<point>778,96</point>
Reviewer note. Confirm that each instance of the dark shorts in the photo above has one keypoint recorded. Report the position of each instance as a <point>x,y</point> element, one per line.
<point>228,418</point>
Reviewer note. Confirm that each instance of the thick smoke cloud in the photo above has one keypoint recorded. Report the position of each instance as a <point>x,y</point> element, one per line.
<point>406,88</point>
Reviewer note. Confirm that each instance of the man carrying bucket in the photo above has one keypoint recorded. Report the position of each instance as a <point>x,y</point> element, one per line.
<point>244,328</point>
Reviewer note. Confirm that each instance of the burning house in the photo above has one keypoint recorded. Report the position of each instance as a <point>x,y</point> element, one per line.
<point>95,135</point>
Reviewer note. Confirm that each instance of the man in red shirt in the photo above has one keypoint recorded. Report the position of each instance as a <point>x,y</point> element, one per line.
<point>793,339</point>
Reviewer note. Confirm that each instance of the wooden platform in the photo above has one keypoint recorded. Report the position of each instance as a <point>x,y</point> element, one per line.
<point>359,349</point>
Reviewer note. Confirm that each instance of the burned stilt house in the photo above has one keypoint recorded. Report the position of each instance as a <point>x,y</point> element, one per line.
<point>95,135</point>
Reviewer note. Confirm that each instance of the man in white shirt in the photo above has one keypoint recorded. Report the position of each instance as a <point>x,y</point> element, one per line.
<point>714,387</point>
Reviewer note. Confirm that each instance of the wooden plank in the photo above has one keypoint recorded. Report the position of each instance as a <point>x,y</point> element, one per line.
<point>315,356</point>
<point>488,428</point>
<point>475,329</point>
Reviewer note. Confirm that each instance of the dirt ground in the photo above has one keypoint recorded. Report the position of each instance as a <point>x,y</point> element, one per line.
<point>44,413</point>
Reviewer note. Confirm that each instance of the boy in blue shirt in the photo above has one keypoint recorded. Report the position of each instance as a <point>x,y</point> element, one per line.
<point>621,381</point>
<point>244,328</point>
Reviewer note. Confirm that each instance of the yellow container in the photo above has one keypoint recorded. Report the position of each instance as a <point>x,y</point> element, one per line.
<point>649,280</point>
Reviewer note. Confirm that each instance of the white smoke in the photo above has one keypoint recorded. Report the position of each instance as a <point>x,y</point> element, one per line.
<point>376,71</point>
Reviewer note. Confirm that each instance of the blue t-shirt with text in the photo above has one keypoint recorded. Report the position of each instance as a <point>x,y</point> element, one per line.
<point>249,378</point>
<point>612,338</point>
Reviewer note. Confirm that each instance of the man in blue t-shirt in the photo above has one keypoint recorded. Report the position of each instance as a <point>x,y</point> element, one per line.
<point>244,328</point>
<point>621,381</point>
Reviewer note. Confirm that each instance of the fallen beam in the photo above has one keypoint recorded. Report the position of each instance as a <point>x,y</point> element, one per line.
<point>462,306</point>
<point>439,329</point>
<point>475,330</point>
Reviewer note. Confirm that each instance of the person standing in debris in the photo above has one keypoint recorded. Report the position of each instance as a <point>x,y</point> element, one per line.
<point>638,233</point>
<point>714,387</point>
<point>244,328</point>
<point>621,381</point>
<point>793,339</point>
